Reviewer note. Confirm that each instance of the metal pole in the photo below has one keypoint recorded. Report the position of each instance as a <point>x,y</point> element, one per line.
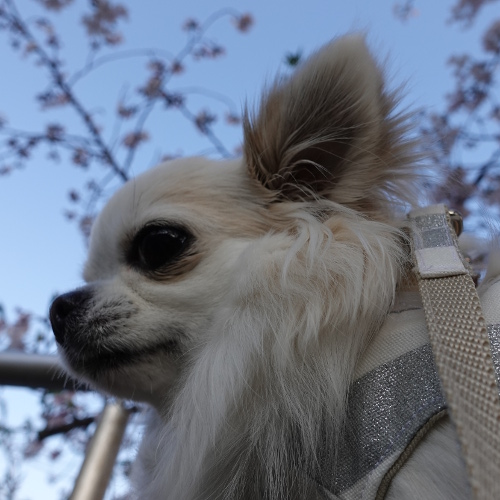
<point>97,466</point>
<point>46,372</point>
<point>35,371</point>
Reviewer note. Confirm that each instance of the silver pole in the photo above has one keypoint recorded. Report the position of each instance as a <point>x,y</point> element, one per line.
<point>46,372</point>
<point>97,466</point>
<point>33,370</point>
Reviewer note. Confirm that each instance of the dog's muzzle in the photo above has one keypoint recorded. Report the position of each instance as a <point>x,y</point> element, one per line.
<point>64,310</point>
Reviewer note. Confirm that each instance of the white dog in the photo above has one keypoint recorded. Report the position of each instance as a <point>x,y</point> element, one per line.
<point>253,304</point>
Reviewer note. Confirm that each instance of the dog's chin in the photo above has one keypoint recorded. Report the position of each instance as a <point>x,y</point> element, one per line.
<point>140,375</point>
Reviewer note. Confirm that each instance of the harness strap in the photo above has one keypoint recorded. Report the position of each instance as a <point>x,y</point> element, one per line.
<point>460,345</point>
<point>403,458</point>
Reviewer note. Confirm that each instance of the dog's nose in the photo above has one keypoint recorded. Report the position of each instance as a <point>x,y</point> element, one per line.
<point>63,308</point>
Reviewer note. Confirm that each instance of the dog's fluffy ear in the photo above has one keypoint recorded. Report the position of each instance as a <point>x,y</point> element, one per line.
<point>330,131</point>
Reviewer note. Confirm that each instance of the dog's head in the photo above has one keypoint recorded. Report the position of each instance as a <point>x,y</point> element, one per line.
<point>167,250</point>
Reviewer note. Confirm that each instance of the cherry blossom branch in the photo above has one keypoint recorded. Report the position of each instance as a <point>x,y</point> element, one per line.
<point>76,423</point>
<point>59,79</point>
<point>92,65</point>
<point>203,122</point>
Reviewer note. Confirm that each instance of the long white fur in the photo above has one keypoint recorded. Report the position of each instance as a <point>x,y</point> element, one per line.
<point>300,254</point>
<point>271,353</point>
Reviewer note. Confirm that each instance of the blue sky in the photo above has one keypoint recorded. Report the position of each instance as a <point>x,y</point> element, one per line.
<point>41,252</point>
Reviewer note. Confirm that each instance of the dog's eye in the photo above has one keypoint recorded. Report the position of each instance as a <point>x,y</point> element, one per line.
<point>157,246</point>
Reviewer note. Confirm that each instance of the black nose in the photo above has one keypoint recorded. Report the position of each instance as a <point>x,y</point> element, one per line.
<point>64,308</point>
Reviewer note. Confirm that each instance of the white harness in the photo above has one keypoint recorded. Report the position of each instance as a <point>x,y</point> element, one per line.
<point>398,396</point>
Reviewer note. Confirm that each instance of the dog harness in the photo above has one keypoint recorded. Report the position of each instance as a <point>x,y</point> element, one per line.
<point>398,396</point>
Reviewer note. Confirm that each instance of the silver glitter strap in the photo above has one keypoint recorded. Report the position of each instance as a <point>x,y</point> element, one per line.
<point>460,345</point>
<point>494,335</point>
<point>387,408</point>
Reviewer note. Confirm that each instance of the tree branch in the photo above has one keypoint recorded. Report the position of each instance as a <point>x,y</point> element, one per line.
<point>207,131</point>
<point>59,79</point>
<point>77,423</point>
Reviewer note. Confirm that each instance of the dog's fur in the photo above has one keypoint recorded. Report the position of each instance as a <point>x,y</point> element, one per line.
<point>245,343</point>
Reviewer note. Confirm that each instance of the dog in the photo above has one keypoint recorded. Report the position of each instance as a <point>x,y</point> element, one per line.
<point>246,300</point>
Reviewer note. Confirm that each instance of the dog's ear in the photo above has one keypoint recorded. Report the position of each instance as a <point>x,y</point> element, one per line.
<point>330,131</point>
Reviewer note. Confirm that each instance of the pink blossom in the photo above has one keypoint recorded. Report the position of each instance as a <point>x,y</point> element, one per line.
<point>176,67</point>
<point>33,448</point>
<point>101,25</point>
<point>172,99</point>
<point>52,99</point>
<point>169,157</point>
<point>18,330</point>
<point>208,51</point>
<point>491,39</point>
<point>51,37</point>
<point>86,225</point>
<point>157,67</point>
<point>233,119</point>
<point>404,11</point>
<point>54,132</point>
<point>152,87</point>
<point>190,25</point>
<point>74,196</point>
<point>481,73</point>
<point>466,10</point>
<point>133,139</point>
<point>244,22</point>
<point>70,214</point>
<point>126,111</point>
<point>80,157</point>
<point>203,120</point>
<point>55,4</point>
<point>5,170</point>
